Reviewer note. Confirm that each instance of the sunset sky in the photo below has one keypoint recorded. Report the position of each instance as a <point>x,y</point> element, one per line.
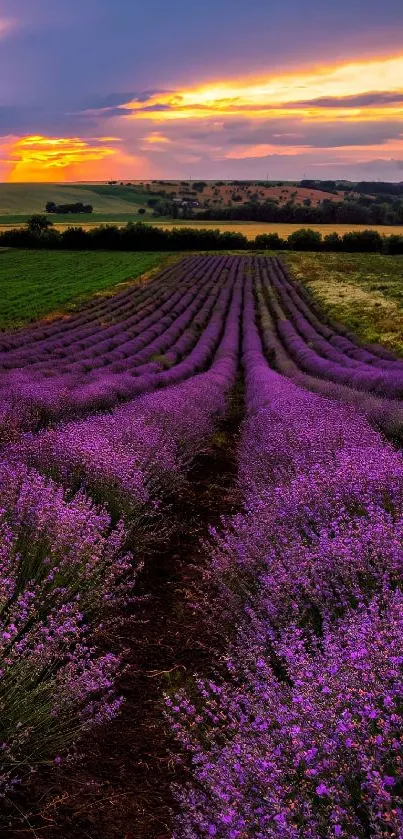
<point>227,89</point>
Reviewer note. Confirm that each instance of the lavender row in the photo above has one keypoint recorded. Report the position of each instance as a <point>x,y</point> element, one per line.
<point>131,319</point>
<point>336,328</point>
<point>134,457</point>
<point>127,344</point>
<point>90,315</point>
<point>373,356</point>
<point>303,737</point>
<point>309,333</point>
<point>383,383</point>
<point>30,403</point>
<point>386,414</point>
<point>64,572</point>
<point>386,383</point>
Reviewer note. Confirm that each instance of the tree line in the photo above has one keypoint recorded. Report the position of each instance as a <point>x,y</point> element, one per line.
<point>363,210</point>
<point>78,207</point>
<point>39,233</point>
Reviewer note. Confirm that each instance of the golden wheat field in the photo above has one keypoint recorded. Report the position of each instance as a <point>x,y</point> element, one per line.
<point>249,229</point>
<point>252,229</point>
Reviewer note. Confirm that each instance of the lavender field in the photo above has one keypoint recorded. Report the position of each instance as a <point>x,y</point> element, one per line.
<point>199,465</point>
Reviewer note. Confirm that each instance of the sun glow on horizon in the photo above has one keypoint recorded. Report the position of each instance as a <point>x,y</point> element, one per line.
<point>38,158</point>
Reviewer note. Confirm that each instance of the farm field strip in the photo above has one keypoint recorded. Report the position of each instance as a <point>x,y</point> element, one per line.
<point>302,585</point>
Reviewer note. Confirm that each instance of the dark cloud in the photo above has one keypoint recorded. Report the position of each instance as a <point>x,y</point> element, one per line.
<point>385,169</point>
<point>159,106</point>
<point>289,131</point>
<point>359,101</point>
<point>111,101</point>
<point>114,100</point>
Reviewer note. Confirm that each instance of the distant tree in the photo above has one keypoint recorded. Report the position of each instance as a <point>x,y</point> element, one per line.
<point>394,244</point>
<point>363,241</point>
<point>270,241</point>
<point>332,242</point>
<point>38,224</point>
<point>199,186</point>
<point>65,209</point>
<point>305,240</point>
<point>163,207</point>
<point>142,211</point>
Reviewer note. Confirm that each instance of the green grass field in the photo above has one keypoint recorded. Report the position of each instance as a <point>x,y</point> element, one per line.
<point>35,284</point>
<point>25,199</point>
<point>362,291</point>
<point>71,220</point>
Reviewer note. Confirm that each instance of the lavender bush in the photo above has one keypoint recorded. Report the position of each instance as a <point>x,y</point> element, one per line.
<point>63,575</point>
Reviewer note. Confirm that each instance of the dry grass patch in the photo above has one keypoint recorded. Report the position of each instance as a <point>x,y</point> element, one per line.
<point>362,291</point>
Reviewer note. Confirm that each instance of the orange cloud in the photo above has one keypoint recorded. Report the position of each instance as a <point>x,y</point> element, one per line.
<point>281,96</point>
<point>38,158</point>
<point>156,137</point>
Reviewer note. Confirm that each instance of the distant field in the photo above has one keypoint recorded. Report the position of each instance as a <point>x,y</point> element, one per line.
<point>70,219</point>
<point>34,284</point>
<point>362,291</point>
